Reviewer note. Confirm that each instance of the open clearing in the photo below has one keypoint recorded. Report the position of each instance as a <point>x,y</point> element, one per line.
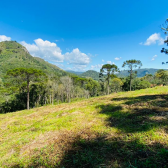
<point>126,129</point>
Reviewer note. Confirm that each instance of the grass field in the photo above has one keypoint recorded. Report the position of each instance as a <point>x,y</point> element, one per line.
<point>126,129</point>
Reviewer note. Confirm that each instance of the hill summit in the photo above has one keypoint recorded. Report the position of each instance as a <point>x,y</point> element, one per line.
<point>14,55</point>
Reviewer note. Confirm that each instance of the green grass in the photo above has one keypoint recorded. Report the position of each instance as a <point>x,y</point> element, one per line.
<point>126,129</point>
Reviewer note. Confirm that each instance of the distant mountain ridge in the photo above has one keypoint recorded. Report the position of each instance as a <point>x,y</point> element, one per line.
<point>74,72</point>
<point>124,73</point>
<point>140,72</point>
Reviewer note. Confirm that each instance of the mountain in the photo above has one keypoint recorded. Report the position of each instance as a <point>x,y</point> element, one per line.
<point>14,55</point>
<point>91,74</point>
<point>75,72</point>
<point>140,72</point>
<point>88,74</point>
<point>95,75</point>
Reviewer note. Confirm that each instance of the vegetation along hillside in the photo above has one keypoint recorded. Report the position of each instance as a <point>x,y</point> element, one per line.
<point>92,74</point>
<point>54,87</point>
<point>121,130</point>
<point>14,55</point>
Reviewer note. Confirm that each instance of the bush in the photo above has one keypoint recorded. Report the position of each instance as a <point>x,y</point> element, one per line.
<point>144,84</point>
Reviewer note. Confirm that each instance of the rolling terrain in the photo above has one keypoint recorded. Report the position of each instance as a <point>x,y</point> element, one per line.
<point>121,130</point>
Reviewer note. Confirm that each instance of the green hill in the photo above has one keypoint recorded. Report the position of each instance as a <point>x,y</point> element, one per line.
<point>75,72</point>
<point>14,55</point>
<point>91,74</point>
<point>128,129</point>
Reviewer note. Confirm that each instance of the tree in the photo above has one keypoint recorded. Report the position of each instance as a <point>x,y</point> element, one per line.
<point>144,84</point>
<point>131,64</point>
<point>162,75</point>
<point>116,84</point>
<point>67,83</point>
<point>26,74</point>
<point>164,28</point>
<point>109,71</point>
<point>52,87</point>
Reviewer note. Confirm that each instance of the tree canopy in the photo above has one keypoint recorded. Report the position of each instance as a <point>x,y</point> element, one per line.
<point>109,71</point>
<point>26,75</point>
<point>164,28</point>
<point>132,64</point>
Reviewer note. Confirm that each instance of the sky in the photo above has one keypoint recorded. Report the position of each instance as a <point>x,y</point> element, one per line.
<point>83,35</point>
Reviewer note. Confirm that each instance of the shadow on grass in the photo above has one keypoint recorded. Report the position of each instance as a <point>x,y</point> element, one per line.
<point>101,152</point>
<point>156,100</point>
<point>133,120</point>
<point>137,114</point>
<point>115,153</point>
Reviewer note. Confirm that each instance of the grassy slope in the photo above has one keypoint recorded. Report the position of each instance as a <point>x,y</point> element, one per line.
<point>120,130</point>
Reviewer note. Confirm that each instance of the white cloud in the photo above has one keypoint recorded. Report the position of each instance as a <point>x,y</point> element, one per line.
<point>154,57</point>
<point>102,60</point>
<point>98,66</point>
<point>78,68</point>
<point>109,62</point>
<point>153,39</point>
<point>117,58</point>
<point>51,52</point>
<point>77,57</point>
<point>44,49</point>
<point>30,47</point>
<point>4,38</point>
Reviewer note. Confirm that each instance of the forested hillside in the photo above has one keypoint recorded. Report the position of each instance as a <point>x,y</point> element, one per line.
<point>14,55</point>
<point>92,74</point>
<point>59,86</point>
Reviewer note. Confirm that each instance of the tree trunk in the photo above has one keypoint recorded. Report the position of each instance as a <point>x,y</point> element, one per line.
<point>130,78</point>
<point>50,98</point>
<point>69,97</point>
<point>45,100</point>
<point>27,93</point>
<point>108,87</point>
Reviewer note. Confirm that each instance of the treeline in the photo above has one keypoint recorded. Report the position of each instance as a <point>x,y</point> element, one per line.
<point>45,90</point>
<point>42,89</point>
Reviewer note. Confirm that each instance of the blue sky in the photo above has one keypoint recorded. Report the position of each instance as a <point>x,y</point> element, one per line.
<point>81,35</point>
